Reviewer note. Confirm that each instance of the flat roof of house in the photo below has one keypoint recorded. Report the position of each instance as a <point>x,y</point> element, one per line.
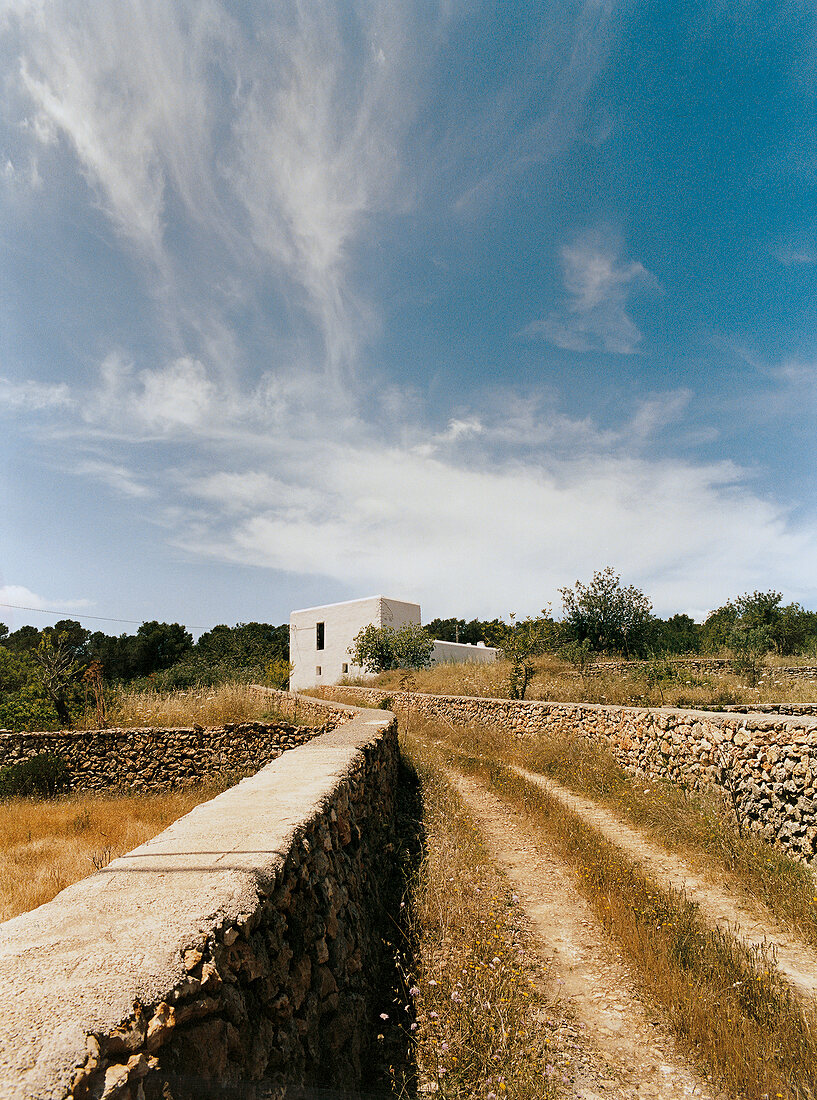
<point>345,603</point>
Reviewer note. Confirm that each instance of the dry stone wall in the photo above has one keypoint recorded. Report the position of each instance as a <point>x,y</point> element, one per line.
<point>766,762</point>
<point>157,759</point>
<point>241,945</point>
<point>704,665</point>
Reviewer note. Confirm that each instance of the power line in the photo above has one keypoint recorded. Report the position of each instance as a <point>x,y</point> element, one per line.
<point>68,614</point>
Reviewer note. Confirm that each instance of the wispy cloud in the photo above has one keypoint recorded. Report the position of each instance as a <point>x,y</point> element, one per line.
<point>512,534</point>
<point>33,396</point>
<point>117,477</point>
<point>507,501</point>
<point>598,286</point>
<point>280,174</point>
<point>540,110</point>
<point>127,88</point>
<point>790,256</point>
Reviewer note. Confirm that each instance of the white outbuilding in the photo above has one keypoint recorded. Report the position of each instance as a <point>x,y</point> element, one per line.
<point>320,638</point>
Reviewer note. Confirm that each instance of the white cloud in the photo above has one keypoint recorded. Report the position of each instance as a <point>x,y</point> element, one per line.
<point>33,396</point>
<point>273,142</point>
<point>318,151</point>
<point>492,513</point>
<point>540,110</point>
<point>116,477</point>
<point>595,316</point>
<point>178,396</point>
<point>790,256</point>
<point>18,596</point>
<point>127,87</point>
<point>491,540</point>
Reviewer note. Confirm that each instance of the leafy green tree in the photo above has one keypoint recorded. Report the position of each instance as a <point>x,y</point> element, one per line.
<point>519,642</point>
<point>381,648</point>
<point>24,640</point>
<point>244,647</point>
<point>412,647</point>
<point>613,618</point>
<point>788,629</point>
<point>458,630</point>
<point>24,704</point>
<point>678,634</point>
<point>749,645</point>
<point>157,646</point>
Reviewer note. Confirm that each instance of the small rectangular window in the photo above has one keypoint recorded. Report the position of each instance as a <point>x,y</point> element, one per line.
<point>317,670</point>
<point>344,668</point>
<point>320,634</point>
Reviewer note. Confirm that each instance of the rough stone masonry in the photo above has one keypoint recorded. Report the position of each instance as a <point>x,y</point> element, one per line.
<point>150,758</point>
<point>767,761</point>
<point>242,944</point>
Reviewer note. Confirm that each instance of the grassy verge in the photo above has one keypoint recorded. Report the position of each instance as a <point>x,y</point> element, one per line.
<point>472,999</point>
<point>207,706</point>
<point>47,845</point>
<point>727,1004</point>
<point>697,825</point>
<point>644,684</point>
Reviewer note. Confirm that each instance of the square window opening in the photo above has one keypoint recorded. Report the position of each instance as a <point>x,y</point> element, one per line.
<point>317,670</point>
<point>344,668</point>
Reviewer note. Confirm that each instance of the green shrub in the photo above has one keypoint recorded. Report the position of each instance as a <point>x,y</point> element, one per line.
<point>43,775</point>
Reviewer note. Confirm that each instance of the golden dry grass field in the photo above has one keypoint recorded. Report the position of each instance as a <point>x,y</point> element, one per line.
<point>646,684</point>
<point>48,844</point>
<point>45,845</point>
<point>208,706</point>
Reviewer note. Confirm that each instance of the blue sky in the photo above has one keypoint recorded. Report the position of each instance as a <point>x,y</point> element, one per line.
<point>457,302</point>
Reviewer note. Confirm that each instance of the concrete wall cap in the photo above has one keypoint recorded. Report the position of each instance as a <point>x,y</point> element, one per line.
<point>75,965</point>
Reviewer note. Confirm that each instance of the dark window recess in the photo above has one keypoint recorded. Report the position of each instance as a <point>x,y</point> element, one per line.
<point>320,633</point>
<point>317,670</point>
<point>344,668</point>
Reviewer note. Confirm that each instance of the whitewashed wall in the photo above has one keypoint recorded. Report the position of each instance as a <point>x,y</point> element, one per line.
<point>455,653</point>
<point>342,621</point>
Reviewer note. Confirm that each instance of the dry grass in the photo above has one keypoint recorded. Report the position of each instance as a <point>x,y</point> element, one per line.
<point>728,1004</point>
<point>47,845</point>
<point>207,706</point>
<point>646,685</point>
<point>473,1002</point>
<point>698,825</point>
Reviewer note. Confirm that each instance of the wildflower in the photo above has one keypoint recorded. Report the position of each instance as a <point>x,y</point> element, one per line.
<point>384,1015</point>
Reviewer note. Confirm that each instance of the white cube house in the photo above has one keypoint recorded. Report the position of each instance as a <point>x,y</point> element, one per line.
<point>320,637</point>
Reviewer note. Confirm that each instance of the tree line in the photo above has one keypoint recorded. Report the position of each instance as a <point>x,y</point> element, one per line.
<point>605,618</point>
<point>613,619</point>
<point>47,676</point>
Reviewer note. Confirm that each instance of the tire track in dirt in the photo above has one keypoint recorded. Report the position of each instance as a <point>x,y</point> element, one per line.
<point>641,1057</point>
<point>728,908</point>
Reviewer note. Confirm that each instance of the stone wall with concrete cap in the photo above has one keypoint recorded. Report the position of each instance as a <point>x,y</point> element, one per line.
<point>768,762</point>
<point>239,945</point>
<point>161,759</point>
